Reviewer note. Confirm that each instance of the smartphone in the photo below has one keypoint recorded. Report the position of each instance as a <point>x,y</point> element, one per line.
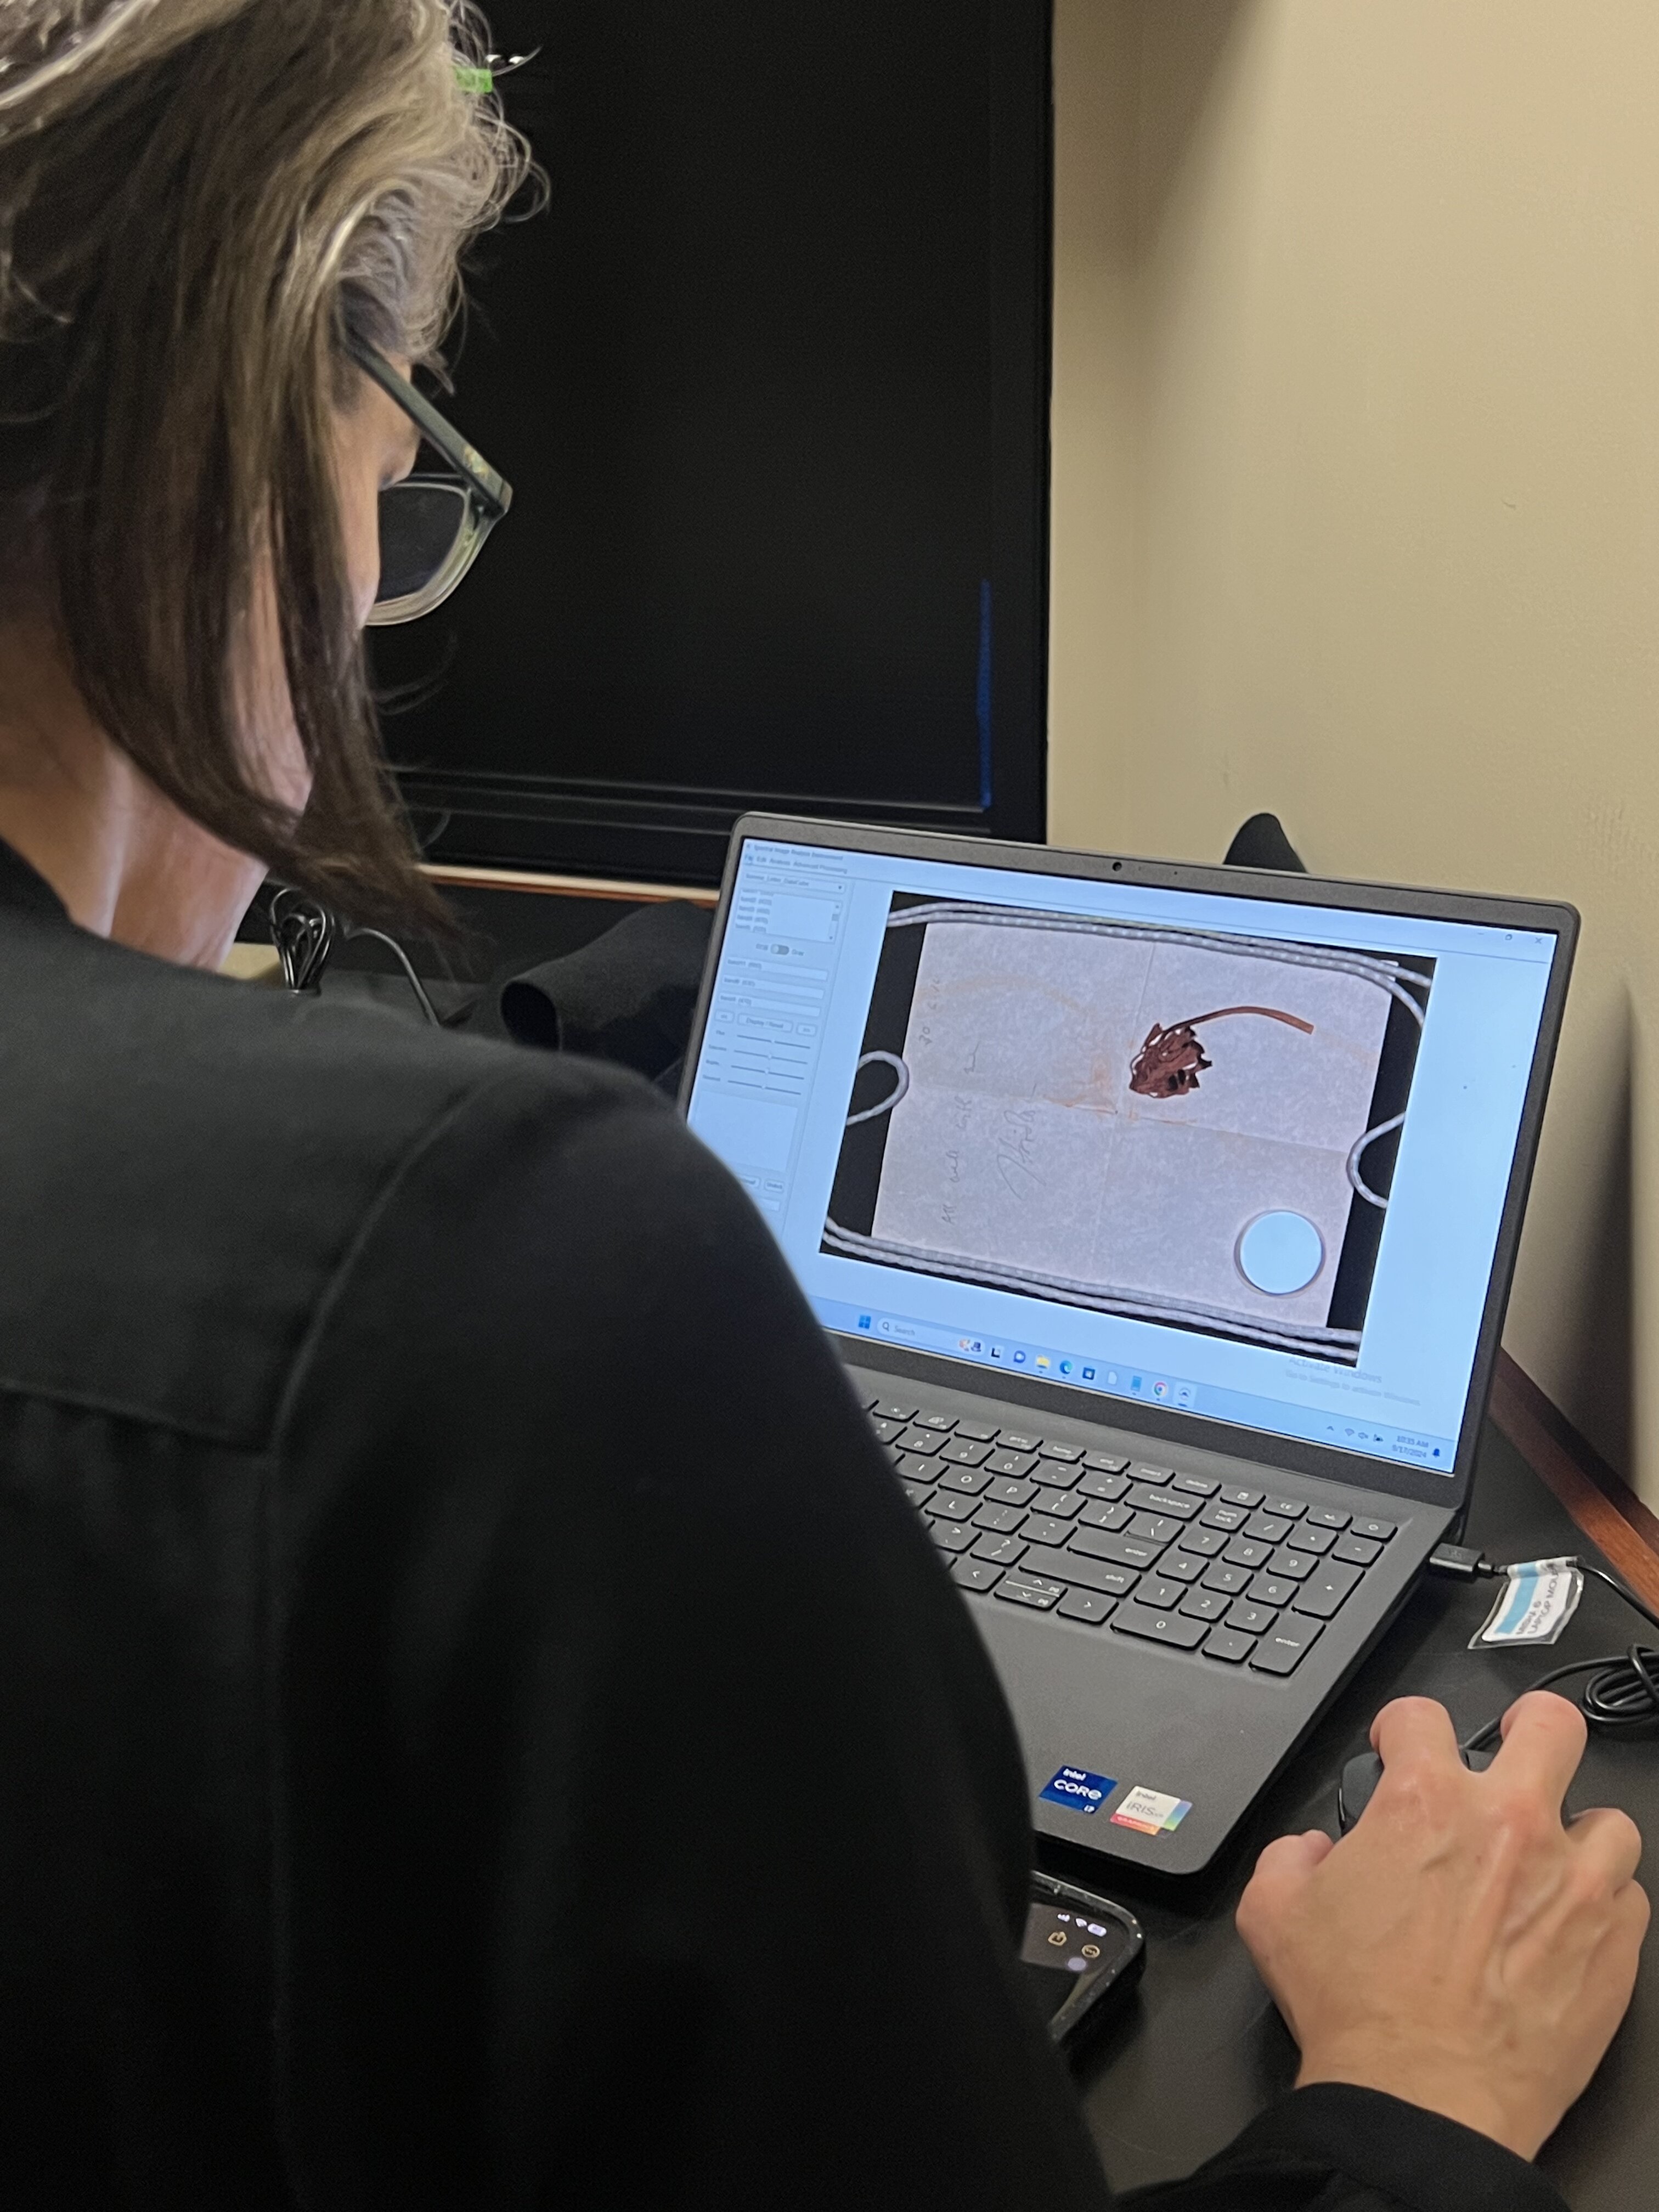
<point>1080,1953</point>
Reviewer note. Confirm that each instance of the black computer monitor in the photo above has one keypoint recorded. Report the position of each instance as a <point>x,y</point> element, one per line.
<point>769,378</point>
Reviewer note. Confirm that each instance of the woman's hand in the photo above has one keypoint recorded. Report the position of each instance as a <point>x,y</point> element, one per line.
<point>1460,1948</point>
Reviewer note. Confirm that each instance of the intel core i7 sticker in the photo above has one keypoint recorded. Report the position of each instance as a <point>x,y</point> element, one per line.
<point>1082,1791</point>
<point>1150,1811</point>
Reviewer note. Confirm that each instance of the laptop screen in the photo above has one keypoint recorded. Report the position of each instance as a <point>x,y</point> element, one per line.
<point>1240,1158</point>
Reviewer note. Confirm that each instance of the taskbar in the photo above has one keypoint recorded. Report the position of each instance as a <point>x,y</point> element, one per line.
<point>1144,1386</point>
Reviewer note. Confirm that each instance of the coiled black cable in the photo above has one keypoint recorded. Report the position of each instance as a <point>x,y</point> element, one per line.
<point>1626,1693</point>
<point>1621,1696</point>
<point>303,931</point>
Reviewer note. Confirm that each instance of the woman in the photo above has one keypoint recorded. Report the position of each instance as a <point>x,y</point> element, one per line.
<point>479,1722</point>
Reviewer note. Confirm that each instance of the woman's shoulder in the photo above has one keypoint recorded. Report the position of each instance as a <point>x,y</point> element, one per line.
<point>191,1163</point>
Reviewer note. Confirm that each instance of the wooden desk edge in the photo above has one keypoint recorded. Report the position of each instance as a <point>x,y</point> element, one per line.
<point>556,886</point>
<point>1609,1513</point>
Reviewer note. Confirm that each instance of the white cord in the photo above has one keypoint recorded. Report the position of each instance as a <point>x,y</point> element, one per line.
<point>1387,975</point>
<point>1286,1337</point>
<point>1359,1144</point>
<point>885,1060</point>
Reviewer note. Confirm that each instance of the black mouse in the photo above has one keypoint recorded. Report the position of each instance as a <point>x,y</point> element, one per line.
<point>1364,1771</point>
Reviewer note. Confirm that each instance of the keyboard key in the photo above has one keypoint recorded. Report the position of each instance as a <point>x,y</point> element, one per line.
<point>918,1469</point>
<point>1044,1596</point>
<point>963,1454</point>
<point>1096,1514</point>
<point>1016,1440</point>
<point>1288,1509</point>
<point>1001,1520</point>
<point>1312,1541</point>
<point>1378,1531</point>
<point>1232,1495</point>
<point>977,1432</point>
<point>1251,1619</point>
<point>1327,1516</point>
<point>887,1430</point>
<point>1281,1651</point>
<point>1205,1605</point>
<point>889,1409</point>
<point>970,1480</point>
<point>1062,1503</point>
<point>976,1574</point>
<point>1043,1529</point>
<point>1009,1494</point>
<point>917,1493</point>
<point>1158,1476</point>
<point>1221,1576</point>
<point>1229,1517</point>
<point>1086,1605</point>
<point>1124,1551</point>
<point>1268,1590</point>
<point>1102,1485</point>
<point>915,1439</point>
<point>1161,1594</point>
<point>1146,1499</point>
<point>1180,1566</point>
<point>1297,1566</point>
<point>1247,1552</point>
<point>952,1535</point>
<point>1227,1644</point>
<point>1357,1551</point>
<point>1155,1528</point>
<point>1003,1551</point>
<point>1131,1619</point>
<point>1104,1462</point>
<point>1325,1589</point>
<point>1195,1486</point>
<point>1005,1492</point>
<point>1012,1463</point>
<point>1073,1567</point>
<point>945,1421</point>
<point>1069,1455</point>
<point>1268,1526</point>
<point>951,1505</point>
<point>1203,1543</point>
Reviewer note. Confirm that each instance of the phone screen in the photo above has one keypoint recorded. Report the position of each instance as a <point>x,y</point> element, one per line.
<point>1067,1953</point>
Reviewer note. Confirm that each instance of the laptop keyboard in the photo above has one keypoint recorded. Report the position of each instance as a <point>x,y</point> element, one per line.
<point>1244,1577</point>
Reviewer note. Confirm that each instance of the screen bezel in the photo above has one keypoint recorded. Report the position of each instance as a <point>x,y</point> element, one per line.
<point>1200,1433</point>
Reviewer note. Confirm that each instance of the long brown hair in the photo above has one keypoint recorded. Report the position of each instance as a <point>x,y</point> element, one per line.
<point>199,201</point>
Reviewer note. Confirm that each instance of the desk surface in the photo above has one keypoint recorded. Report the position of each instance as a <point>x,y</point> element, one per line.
<point>1200,2050</point>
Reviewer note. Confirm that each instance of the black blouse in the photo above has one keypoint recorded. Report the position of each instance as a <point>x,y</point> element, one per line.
<point>479,1725</point>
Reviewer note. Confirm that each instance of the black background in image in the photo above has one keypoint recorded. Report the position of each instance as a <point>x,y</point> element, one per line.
<point>863,1149</point>
<point>1351,1294</point>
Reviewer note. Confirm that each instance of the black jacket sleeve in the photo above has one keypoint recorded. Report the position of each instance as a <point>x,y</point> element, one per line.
<point>649,1826</point>
<point>1334,2147</point>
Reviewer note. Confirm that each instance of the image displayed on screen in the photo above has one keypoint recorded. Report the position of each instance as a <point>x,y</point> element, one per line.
<point>1178,1126</point>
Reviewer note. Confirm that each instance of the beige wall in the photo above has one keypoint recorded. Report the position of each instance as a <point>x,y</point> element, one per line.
<point>1356,514</point>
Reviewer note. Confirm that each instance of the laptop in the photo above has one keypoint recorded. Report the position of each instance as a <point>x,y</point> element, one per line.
<point>1164,1218</point>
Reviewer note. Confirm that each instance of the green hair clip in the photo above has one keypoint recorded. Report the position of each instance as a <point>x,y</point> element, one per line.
<point>481,81</point>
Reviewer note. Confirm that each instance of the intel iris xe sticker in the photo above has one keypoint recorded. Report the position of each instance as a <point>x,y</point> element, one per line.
<point>1082,1791</point>
<point>1151,1811</point>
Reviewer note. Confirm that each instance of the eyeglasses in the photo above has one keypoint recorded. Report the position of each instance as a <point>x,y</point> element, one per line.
<point>432,525</point>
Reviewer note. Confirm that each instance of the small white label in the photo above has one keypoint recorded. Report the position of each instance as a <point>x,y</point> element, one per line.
<point>1534,1602</point>
<point>1151,1811</point>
